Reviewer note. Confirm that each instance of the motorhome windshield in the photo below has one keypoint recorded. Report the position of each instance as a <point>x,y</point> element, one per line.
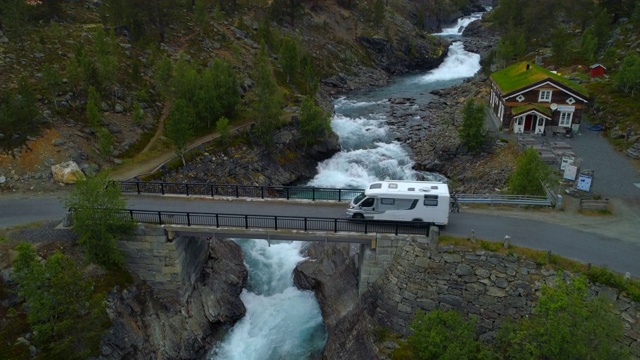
<point>359,198</point>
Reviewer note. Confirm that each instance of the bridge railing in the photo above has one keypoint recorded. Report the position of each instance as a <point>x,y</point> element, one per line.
<point>500,199</point>
<point>299,193</point>
<point>237,191</point>
<point>243,221</point>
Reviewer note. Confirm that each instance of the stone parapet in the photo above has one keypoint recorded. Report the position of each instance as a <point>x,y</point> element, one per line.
<point>170,267</point>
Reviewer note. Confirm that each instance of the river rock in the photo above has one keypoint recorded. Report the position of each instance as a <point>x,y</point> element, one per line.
<point>58,142</point>
<point>67,173</point>
<point>331,273</point>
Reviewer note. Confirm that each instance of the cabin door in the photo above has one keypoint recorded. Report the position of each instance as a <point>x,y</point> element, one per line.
<point>528,123</point>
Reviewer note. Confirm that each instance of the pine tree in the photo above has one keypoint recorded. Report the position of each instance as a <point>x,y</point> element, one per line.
<point>472,132</point>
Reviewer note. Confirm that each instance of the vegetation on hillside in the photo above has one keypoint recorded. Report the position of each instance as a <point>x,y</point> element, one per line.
<point>566,323</point>
<point>97,219</point>
<point>529,174</point>
<point>66,316</point>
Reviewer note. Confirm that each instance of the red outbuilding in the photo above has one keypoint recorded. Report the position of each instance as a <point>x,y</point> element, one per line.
<point>597,70</point>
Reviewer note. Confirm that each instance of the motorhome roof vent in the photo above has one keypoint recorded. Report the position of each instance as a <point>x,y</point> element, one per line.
<point>411,189</point>
<point>424,189</point>
<point>434,187</point>
<point>393,186</point>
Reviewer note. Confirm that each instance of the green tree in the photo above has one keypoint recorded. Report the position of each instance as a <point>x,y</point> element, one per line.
<point>93,110</point>
<point>105,49</point>
<point>562,46</point>
<point>105,142</point>
<point>444,335</point>
<point>472,132</point>
<point>66,317</point>
<point>18,113</point>
<point>290,9</point>
<point>224,129</point>
<point>98,219</point>
<point>268,100</point>
<point>51,79</point>
<point>589,45</point>
<point>601,27</point>
<point>219,84</point>
<point>628,77</point>
<point>378,12</point>
<point>289,57</point>
<point>179,127</point>
<point>13,15</point>
<point>163,75</point>
<point>315,123</point>
<point>137,114</point>
<point>529,174</point>
<point>566,324</point>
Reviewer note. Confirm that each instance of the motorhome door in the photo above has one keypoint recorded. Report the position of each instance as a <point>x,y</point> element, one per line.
<point>368,207</point>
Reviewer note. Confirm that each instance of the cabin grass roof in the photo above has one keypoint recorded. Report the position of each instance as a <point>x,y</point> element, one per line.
<point>517,76</point>
<point>524,108</point>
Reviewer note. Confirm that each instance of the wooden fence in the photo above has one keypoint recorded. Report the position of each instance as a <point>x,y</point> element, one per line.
<point>594,205</point>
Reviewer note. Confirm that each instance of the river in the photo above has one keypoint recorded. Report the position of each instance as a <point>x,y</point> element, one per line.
<point>283,322</point>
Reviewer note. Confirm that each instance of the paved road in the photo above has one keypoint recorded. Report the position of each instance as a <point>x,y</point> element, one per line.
<point>614,175</point>
<point>525,230</point>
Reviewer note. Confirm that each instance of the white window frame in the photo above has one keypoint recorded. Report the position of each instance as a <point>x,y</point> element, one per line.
<point>501,111</point>
<point>520,98</point>
<point>565,118</point>
<point>545,95</point>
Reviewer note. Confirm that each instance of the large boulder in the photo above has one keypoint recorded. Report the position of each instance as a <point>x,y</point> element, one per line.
<point>67,173</point>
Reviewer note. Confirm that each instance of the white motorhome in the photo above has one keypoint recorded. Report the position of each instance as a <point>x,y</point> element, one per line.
<point>400,200</point>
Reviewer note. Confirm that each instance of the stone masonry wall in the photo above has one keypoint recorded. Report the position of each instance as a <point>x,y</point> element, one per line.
<point>374,262</point>
<point>169,267</point>
<point>487,285</point>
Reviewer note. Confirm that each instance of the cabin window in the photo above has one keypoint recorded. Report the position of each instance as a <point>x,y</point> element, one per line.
<point>375,186</point>
<point>565,118</point>
<point>571,101</point>
<point>501,111</point>
<point>387,201</point>
<point>545,96</point>
<point>520,98</point>
<point>431,200</point>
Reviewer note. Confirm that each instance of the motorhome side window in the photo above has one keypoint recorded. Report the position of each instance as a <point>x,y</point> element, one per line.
<point>387,201</point>
<point>431,200</point>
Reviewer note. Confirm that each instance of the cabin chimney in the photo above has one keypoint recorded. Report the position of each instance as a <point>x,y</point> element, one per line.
<point>528,66</point>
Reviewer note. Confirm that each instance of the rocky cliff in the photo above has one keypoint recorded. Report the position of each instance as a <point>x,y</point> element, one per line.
<point>145,327</point>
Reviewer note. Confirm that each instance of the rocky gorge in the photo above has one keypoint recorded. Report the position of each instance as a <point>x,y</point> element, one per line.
<point>333,277</point>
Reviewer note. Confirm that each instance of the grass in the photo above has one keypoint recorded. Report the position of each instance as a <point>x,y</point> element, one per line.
<point>517,76</point>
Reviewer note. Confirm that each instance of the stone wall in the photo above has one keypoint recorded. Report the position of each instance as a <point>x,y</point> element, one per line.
<point>487,285</point>
<point>170,267</point>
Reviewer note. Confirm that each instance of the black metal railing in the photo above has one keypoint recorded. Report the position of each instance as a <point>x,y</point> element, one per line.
<point>237,191</point>
<point>302,193</point>
<point>244,221</point>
